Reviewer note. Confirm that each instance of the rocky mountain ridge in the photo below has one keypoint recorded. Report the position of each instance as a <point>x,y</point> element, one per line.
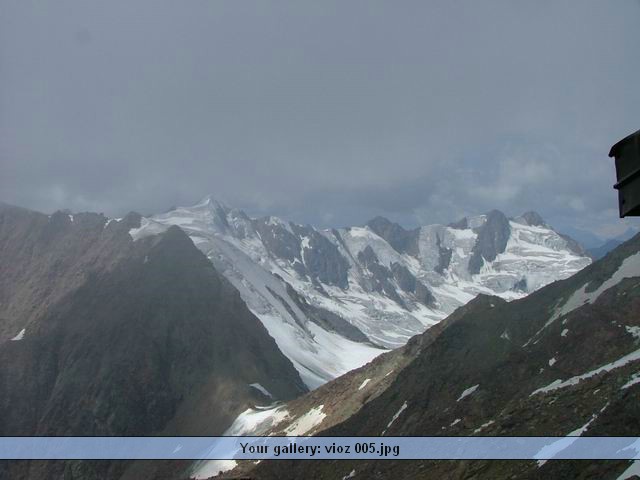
<point>101,335</point>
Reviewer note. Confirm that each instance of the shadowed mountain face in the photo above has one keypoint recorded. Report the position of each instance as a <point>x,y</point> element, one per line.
<point>492,239</point>
<point>403,241</point>
<point>562,361</point>
<point>101,335</point>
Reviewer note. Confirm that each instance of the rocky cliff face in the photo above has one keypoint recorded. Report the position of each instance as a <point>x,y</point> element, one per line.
<point>387,282</point>
<point>103,335</point>
<point>492,239</point>
<point>562,361</point>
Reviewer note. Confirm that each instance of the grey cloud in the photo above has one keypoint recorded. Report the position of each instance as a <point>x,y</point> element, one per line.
<point>327,112</point>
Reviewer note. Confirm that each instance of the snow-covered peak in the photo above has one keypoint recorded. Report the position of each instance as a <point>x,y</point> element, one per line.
<point>209,215</point>
<point>209,201</point>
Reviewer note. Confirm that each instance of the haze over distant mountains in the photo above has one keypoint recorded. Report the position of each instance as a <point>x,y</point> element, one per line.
<point>600,249</point>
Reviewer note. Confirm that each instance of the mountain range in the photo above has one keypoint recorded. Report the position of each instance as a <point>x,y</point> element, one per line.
<point>203,321</point>
<point>334,299</point>
<point>561,362</point>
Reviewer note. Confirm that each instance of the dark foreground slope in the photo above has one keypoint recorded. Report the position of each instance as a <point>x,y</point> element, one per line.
<point>565,359</point>
<point>101,335</point>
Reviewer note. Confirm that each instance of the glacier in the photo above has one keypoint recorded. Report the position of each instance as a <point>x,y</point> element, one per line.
<point>333,299</point>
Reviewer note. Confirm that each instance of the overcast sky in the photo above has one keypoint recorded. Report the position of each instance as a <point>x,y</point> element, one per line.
<point>319,111</point>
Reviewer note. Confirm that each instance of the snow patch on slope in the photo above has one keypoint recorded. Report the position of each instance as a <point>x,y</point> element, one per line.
<point>467,392</point>
<point>306,422</point>
<point>621,362</point>
<point>635,379</point>
<point>19,336</point>
<point>261,389</point>
<point>629,268</point>
<point>549,451</point>
<point>395,416</point>
<point>483,426</point>
<point>364,384</point>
